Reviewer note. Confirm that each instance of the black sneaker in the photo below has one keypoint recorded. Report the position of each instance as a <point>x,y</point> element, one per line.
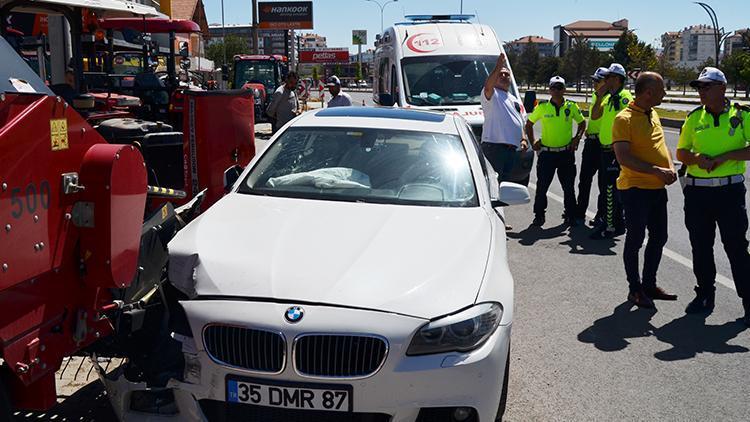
<point>702,303</point>
<point>571,222</point>
<point>538,221</point>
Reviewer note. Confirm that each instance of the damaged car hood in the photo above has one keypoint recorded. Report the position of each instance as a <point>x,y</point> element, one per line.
<point>414,260</point>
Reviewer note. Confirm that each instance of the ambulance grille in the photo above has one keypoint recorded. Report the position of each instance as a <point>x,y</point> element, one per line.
<point>339,356</point>
<point>246,348</point>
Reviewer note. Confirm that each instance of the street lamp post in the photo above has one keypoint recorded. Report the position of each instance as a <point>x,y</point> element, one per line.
<point>382,7</point>
<point>719,33</point>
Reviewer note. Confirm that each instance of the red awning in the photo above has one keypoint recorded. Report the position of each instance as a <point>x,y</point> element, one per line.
<point>152,25</point>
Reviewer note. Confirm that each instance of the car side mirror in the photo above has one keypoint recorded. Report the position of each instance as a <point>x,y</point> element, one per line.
<point>529,101</point>
<point>511,194</point>
<point>185,63</point>
<point>230,177</point>
<point>385,100</point>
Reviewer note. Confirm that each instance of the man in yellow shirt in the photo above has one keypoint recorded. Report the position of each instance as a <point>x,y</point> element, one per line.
<point>714,145</point>
<point>645,169</point>
<point>556,149</point>
<point>611,99</point>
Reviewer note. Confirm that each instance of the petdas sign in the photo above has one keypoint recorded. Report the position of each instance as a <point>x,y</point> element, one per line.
<point>324,55</point>
<point>285,15</point>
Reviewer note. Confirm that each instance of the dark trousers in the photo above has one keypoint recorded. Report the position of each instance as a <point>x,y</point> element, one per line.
<point>644,209</point>
<point>564,163</point>
<point>705,208</point>
<point>591,161</point>
<point>502,157</point>
<point>608,174</point>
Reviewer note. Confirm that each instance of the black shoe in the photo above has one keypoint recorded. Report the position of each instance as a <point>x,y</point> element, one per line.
<point>641,300</point>
<point>702,303</point>
<point>657,293</point>
<point>619,232</point>
<point>601,234</point>
<point>538,221</point>
<point>596,222</point>
<point>571,222</point>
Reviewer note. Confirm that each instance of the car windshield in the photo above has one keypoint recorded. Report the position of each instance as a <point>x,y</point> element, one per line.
<point>441,80</point>
<point>255,71</point>
<point>365,165</point>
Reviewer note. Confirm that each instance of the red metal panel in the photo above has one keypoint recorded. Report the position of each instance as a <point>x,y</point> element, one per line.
<point>114,177</point>
<point>219,134</point>
<point>324,55</point>
<point>41,293</point>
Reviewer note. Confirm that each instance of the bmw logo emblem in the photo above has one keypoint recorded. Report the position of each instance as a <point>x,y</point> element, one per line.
<point>294,314</point>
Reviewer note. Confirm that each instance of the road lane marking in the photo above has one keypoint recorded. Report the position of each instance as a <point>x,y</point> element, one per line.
<point>676,257</point>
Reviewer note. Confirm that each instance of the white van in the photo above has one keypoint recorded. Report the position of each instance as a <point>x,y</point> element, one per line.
<point>440,62</point>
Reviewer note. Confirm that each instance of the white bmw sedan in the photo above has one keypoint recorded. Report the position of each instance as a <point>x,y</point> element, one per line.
<point>357,271</point>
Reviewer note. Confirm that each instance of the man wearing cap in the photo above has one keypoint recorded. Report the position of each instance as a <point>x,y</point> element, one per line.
<point>714,145</point>
<point>646,167</point>
<point>611,99</point>
<point>284,105</point>
<point>502,130</point>
<point>556,149</point>
<point>591,159</point>
<point>338,98</point>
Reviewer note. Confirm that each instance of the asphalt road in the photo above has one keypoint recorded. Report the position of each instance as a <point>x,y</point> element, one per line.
<point>581,352</point>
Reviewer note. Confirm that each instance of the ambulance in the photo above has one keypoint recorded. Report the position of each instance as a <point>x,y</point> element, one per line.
<point>440,62</point>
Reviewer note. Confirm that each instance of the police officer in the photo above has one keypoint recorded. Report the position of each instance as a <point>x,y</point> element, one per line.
<point>556,149</point>
<point>611,99</point>
<point>714,145</point>
<point>591,159</point>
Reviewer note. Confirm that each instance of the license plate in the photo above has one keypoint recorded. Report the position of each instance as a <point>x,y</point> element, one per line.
<point>330,397</point>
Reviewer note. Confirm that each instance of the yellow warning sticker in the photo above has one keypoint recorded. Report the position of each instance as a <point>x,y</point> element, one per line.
<point>58,129</point>
<point>164,213</point>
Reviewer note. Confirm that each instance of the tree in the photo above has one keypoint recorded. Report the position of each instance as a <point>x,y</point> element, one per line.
<point>235,45</point>
<point>620,50</point>
<point>683,75</point>
<point>578,60</point>
<point>706,63</point>
<point>528,63</point>
<point>548,67</point>
<point>358,75</point>
<point>315,73</point>
<point>641,56</point>
<point>733,65</point>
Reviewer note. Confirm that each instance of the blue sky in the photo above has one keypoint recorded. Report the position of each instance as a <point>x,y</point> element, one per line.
<point>335,19</point>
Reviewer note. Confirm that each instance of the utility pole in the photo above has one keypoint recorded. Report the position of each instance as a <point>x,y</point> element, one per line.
<point>223,36</point>
<point>382,7</point>
<point>719,34</point>
<point>254,30</point>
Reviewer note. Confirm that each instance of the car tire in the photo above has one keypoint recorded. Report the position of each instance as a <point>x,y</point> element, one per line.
<point>504,390</point>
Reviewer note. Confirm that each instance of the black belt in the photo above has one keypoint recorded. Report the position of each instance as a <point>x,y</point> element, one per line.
<point>501,145</point>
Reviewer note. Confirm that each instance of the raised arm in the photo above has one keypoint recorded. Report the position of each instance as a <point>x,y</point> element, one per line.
<point>489,84</point>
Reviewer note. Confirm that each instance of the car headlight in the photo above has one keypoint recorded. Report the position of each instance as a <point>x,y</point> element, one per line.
<point>459,332</point>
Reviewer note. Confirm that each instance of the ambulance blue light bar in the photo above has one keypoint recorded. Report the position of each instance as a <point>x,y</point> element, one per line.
<point>439,17</point>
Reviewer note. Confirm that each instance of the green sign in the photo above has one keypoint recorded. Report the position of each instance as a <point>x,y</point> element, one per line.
<point>603,45</point>
<point>359,37</point>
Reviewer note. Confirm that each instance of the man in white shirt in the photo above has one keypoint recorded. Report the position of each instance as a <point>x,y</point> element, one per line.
<point>284,105</point>
<point>338,98</point>
<point>502,131</point>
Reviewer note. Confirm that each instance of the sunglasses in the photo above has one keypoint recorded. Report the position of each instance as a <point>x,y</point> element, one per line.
<point>557,87</point>
<point>704,86</point>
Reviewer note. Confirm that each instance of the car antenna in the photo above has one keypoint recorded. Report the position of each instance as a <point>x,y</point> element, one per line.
<point>481,29</point>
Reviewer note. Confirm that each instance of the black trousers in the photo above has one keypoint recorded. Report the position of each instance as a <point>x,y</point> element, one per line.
<point>608,174</point>
<point>644,209</point>
<point>705,208</point>
<point>502,157</point>
<point>564,163</point>
<point>591,161</point>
